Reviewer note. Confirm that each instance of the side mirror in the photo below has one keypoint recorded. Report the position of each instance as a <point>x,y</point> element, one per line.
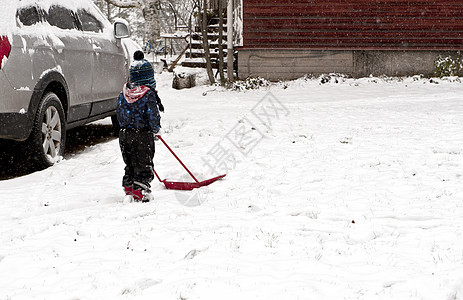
<point>121,29</point>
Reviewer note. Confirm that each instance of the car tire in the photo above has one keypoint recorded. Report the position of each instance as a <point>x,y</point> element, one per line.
<point>48,136</point>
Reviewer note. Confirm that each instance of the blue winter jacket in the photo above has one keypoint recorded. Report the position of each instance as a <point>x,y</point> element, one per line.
<point>137,109</point>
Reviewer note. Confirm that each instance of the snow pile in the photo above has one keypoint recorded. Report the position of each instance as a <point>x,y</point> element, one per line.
<point>348,190</point>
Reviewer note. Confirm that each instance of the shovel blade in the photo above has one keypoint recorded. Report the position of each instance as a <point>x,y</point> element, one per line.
<point>188,186</point>
<point>209,181</point>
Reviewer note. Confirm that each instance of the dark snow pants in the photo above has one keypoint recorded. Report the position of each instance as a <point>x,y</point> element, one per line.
<point>137,149</point>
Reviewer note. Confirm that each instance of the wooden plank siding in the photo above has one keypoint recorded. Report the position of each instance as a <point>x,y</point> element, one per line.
<point>290,64</point>
<point>353,24</point>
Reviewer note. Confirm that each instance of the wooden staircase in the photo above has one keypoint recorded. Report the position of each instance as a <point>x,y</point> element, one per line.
<point>195,57</point>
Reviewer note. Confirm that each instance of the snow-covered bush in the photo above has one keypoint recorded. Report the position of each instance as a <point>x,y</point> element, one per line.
<point>332,78</point>
<point>250,83</point>
<point>448,66</point>
<point>326,78</point>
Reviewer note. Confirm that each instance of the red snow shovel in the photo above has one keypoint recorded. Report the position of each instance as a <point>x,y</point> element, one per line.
<point>184,186</point>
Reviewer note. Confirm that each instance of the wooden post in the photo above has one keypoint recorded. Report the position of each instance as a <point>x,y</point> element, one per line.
<point>207,52</point>
<point>221,60</point>
<point>172,66</point>
<point>230,41</point>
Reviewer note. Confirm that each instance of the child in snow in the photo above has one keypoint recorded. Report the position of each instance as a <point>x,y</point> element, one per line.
<point>139,119</point>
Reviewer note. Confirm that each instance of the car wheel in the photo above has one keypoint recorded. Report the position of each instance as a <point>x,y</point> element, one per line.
<point>49,132</point>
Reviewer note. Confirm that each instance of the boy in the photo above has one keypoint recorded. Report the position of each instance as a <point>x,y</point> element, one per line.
<point>139,119</point>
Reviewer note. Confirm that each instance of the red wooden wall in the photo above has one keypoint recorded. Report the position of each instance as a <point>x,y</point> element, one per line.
<point>353,24</point>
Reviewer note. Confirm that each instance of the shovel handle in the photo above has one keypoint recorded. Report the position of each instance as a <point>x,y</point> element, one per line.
<point>156,173</point>
<point>171,151</point>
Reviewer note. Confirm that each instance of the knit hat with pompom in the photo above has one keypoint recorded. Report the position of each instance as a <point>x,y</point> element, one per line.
<point>141,71</point>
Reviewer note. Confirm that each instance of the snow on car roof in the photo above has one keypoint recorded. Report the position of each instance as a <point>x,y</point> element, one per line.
<point>8,11</point>
<point>7,16</point>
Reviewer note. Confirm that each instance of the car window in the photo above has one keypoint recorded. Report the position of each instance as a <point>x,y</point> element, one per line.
<point>89,22</point>
<point>61,17</point>
<point>28,16</point>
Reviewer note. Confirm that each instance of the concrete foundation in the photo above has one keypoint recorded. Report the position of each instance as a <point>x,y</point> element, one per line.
<point>291,64</point>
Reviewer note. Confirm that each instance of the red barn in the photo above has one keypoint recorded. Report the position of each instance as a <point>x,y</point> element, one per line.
<point>285,39</point>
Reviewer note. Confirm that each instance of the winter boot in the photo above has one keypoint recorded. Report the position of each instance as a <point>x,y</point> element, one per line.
<point>147,196</point>
<point>142,195</point>
<point>128,194</point>
<point>128,190</point>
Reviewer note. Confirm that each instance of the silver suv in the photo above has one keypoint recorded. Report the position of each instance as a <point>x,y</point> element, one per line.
<point>62,64</point>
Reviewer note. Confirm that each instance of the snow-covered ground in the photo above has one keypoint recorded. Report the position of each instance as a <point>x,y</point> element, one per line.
<point>349,190</point>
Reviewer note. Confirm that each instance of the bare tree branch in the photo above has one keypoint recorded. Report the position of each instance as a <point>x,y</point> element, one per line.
<point>125,3</point>
<point>150,15</point>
